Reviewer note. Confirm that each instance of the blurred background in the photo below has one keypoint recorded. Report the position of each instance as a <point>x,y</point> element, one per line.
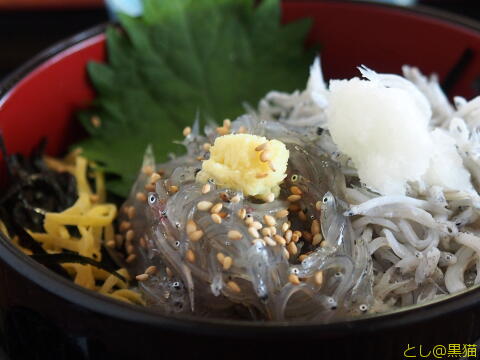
<point>28,26</point>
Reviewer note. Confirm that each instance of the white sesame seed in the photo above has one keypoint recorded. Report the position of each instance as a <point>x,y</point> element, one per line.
<point>296,236</point>
<point>249,220</point>
<point>307,235</point>
<point>187,131</point>
<point>155,177</point>
<point>258,241</point>
<point>266,155</point>
<point>217,219</point>
<point>151,270</point>
<point>204,205</point>
<point>269,220</point>
<point>206,188</point>
<point>130,235</point>
<point>318,277</point>
<point>131,212</point>
<point>130,249</point>
<point>125,225</point>
<point>269,241</point>
<point>253,232</point>
<point>196,235</point>
<point>295,190</point>
<point>317,239</point>
<point>227,263</point>
<point>302,257</point>
<point>293,198</point>
<point>288,236</point>
<point>318,205</point>
<point>242,213</point>
<point>235,199</point>
<point>141,197</point>
<point>281,214</point>
<point>234,235</point>
<point>315,228</point>
<point>257,225</point>
<point>142,277</point>
<point>96,122</point>
<point>302,216</point>
<point>190,256</point>
<point>292,248</point>
<point>147,170</point>
<point>280,240</point>
<point>150,187</point>
<point>262,146</point>
<point>191,226</point>
<point>232,285</point>
<point>294,279</point>
<point>266,232</point>
<point>222,130</point>
<point>216,208</point>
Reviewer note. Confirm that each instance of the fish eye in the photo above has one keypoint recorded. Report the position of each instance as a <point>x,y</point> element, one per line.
<point>294,178</point>
<point>177,243</point>
<point>325,199</point>
<point>295,271</point>
<point>152,199</point>
<point>363,307</point>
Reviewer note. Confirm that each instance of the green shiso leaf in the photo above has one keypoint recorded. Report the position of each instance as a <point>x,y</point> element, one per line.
<point>182,58</point>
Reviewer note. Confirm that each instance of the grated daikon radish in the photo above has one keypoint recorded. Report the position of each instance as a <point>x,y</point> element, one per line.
<point>383,129</point>
<point>446,166</point>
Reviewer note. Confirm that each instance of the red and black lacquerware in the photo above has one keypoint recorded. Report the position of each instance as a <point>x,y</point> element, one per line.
<point>44,316</point>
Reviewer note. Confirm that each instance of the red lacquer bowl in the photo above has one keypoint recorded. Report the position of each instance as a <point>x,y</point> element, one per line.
<point>44,316</point>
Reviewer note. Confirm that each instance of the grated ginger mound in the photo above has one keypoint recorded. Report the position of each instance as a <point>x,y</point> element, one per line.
<point>237,162</point>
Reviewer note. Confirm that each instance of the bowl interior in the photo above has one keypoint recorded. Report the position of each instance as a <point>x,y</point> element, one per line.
<point>41,98</point>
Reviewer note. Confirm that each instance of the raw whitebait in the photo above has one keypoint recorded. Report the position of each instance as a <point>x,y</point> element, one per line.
<point>331,246</point>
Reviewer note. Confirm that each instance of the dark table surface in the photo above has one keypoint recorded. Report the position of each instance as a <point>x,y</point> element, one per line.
<point>25,33</point>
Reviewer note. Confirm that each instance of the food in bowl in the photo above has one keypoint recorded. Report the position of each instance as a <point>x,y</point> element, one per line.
<point>373,211</point>
<point>342,190</point>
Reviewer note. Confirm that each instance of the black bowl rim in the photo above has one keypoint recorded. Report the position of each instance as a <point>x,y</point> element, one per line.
<point>103,305</point>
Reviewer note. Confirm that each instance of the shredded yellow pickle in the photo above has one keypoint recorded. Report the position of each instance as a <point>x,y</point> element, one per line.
<point>93,219</point>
